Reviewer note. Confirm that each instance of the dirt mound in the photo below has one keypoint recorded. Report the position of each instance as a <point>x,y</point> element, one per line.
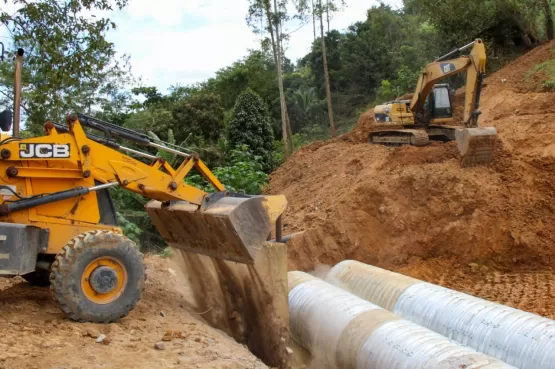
<point>520,75</point>
<point>415,209</point>
<point>36,334</point>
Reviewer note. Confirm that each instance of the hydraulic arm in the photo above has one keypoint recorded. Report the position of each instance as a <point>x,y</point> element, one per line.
<point>222,224</point>
<point>59,226</point>
<point>475,66</point>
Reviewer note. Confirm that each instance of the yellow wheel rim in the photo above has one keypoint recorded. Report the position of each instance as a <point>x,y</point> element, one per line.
<point>87,284</point>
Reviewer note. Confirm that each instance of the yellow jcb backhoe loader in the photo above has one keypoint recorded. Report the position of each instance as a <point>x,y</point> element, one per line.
<point>58,224</point>
<point>426,115</point>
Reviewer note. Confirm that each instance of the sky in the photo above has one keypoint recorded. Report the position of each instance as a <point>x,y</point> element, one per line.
<point>186,41</point>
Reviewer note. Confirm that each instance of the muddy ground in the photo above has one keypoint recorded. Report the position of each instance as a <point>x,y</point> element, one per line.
<point>36,334</point>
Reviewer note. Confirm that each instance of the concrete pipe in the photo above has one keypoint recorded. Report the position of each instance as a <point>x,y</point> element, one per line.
<point>343,331</point>
<point>522,339</point>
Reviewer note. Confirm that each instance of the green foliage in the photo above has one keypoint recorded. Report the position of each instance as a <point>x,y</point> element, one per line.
<point>406,79</point>
<point>545,72</point>
<point>151,94</point>
<point>134,221</point>
<point>200,116</point>
<point>69,63</point>
<point>505,23</point>
<point>256,71</point>
<point>250,126</point>
<point>386,91</point>
<point>130,229</point>
<point>153,118</point>
<point>168,156</point>
<point>242,173</point>
<point>167,252</point>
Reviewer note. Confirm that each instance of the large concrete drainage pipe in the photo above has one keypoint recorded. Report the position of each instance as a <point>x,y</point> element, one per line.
<point>343,331</point>
<point>519,338</point>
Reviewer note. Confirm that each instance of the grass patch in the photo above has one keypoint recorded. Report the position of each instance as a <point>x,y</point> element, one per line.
<point>167,252</point>
<point>545,72</point>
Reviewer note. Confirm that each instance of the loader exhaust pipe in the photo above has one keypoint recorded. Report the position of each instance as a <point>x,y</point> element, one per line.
<point>17,91</point>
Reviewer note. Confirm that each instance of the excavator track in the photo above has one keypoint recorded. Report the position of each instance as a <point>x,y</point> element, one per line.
<point>398,137</point>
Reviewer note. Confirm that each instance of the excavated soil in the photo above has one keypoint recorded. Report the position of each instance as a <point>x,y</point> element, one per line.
<point>36,334</point>
<point>488,230</point>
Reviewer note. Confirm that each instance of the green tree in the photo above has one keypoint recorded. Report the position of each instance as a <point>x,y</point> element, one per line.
<point>308,109</point>
<point>505,22</point>
<point>250,126</point>
<point>241,172</point>
<point>314,61</point>
<point>275,15</point>
<point>255,71</point>
<point>386,91</point>
<point>321,8</point>
<point>151,94</point>
<point>69,63</point>
<point>548,9</point>
<point>200,117</point>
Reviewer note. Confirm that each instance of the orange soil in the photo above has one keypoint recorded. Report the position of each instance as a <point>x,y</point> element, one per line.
<point>416,211</point>
<point>36,334</point>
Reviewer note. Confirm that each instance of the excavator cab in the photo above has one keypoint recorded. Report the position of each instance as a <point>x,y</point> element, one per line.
<point>439,105</point>
<point>442,105</point>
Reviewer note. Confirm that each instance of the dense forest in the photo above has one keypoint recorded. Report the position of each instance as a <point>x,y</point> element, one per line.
<point>252,114</point>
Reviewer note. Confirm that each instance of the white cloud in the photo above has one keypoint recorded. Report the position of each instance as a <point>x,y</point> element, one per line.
<point>177,41</point>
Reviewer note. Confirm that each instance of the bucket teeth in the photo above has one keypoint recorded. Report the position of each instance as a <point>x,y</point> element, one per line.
<point>225,227</point>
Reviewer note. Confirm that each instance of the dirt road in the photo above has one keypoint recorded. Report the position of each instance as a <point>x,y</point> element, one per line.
<point>35,333</point>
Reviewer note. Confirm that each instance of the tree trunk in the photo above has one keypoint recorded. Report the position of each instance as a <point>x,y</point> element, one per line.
<point>277,60</point>
<point>328,14</point>
<point>548,19</point>
<point>290,142</point>
<point>326,74</point>
<point>313,19</point>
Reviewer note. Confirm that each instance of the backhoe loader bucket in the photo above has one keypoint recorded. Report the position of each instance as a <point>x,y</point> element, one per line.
<point>476,145</point>
<point>230,227</point>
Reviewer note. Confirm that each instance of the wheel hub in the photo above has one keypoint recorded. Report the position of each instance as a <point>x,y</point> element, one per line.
<point>103,279</point>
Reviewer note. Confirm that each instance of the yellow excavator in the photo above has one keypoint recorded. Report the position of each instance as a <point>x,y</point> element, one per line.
<point>58,224</point>
<point>426,116</point>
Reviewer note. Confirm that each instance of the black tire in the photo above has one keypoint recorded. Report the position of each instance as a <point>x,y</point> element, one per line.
<point>39,278</point>
<point>70,264</point>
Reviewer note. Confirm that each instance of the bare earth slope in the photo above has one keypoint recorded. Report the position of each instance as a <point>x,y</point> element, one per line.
<point>416,211</point>
<point>36,334</point>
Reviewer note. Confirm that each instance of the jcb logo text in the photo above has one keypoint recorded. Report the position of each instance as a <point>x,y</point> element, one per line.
<point>43,151</point>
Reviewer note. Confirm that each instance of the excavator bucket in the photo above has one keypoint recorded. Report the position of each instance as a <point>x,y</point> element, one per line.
<point>227,226</point>
<point>476,145</point>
